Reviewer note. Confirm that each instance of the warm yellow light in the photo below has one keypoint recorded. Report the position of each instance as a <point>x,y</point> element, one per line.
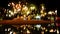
<point>14,32</point>
<point>13,4</point>
<point>43,28</point>
<point>18,6</point>
<point>41,11</point>
<point>42,15</point>
<point>46,30</point>
<point>9,15</point>
<point>18,9</point>
<point>9,29</point>
<point>14,9</point>
<point>12,13</point>
<point>17,16</point>
<point>57,31</point>
<point>28,12</point>
<point>25,8</point>
<point>42,32</point>
<point>48,17</point>
<point>42,7</point>
<point>23,5</point>
<point>45,13</point>
<point>38,16</point>
<point>21,16</point>
<point>5,29</point>
<point>29,17</point>
<point>15,12</point>
<point>49,12</point>
<point>8,4</point>
<point>6,14</point>
<point>38,26</point>
<point>28,31</point>
<point>24,27</point>
<point>24,15</point>
<point>32,8</point>
<point>51,30</point>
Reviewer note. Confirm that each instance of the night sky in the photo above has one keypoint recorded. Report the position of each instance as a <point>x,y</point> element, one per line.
<point>49,3</point>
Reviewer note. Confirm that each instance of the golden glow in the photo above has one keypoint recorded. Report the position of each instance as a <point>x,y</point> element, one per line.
<point>49,12</point>
<point>24,15</point>
<point>6,14</point>
<point>5,29</point>
<point>21,16</point>
<point>14,32</point>
<point>46,30</point>
<point>45,13</point>
<point>18,6</point>
<point>15,11</point>
<point>57,31</point>
<point>41,11</point>
<point>28,31</point>
<point>13,4</point>
<point>9,4</point>
<point>51,30</point>
<point>9,15</point>
<point>48,17</point>
<point>43,28</point>
<point>42,15</point>
<point>12,13</point>
<point>25,8</point>
<point>42,32</point>
<point>38,26</point>
<point>29,17</point>
<point>28,12</point>
<point>21,31</point>
<point>17,16</point>
<point>19,10</point>
<point>9,29</point>
<point>24,28</point>
<point>42,7</point>
<point>38,16</point>
<point>32,8</point>
<point>11,32</point>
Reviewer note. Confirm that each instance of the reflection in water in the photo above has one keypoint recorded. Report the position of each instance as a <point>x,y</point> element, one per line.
<point>29,29</point>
